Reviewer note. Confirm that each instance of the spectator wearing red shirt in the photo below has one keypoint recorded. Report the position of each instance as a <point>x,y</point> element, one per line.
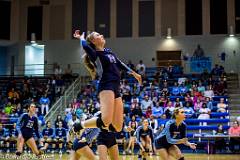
<point>234,131</point>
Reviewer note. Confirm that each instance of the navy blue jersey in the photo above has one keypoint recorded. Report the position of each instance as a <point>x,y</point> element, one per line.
<point>28,125</point>
<point>13,132</point>
<point>49,132</point>
<point>140,132</point>
<point>108,65</point>
<point>172,132</point>
<point>61,132</point>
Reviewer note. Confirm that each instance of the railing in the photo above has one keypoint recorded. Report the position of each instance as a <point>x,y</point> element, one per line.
<point>59,107</point>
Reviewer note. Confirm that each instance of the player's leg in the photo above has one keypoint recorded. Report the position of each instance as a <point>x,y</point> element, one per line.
<point>20,143</point>
<point>113,152</point>
<point>117,121</point>
<point>107,108</point>
<point>74,156</point>
<point>32,144</point>
<point>175,152</point>
<point>163,153</point>
<point>102,152</point>
<point>86,152</point>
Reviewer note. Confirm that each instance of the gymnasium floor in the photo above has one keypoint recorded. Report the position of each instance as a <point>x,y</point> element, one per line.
<point>4,156</point>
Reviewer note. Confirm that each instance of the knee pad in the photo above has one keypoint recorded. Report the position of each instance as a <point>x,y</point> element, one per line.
<point>146,149</point>
<point>100,123</point>
<point>111,128</point>
<point>182,158</point>
<point>77,127</point>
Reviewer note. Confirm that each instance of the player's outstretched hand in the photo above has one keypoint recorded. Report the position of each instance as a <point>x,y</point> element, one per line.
<point>193,145</point>
<point>138,77</point>
<point>78,35</point>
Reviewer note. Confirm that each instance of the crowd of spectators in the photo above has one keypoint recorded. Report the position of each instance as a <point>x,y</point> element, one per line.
<point>163,90</point>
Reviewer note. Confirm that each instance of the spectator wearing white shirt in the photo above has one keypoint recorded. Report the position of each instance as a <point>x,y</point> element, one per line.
<point>222,106</point>
<point>145,103</point>
<point>141,67</point>
<point>153,123</point>
<point>208,92</point>
<point>204,113</point>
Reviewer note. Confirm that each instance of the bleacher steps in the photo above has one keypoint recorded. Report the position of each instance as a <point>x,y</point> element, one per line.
<point>234,95</point>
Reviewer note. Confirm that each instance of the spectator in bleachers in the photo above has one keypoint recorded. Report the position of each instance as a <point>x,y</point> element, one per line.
<point>204,113</point>
<point>14,100</point>
<point>140,67</point>
<point>148,112</point>
<point>12,137</point>
<point>178,103</point>
<point>234,130</point>
<point>8,108</point>
<point>165,90</point>
<point>205,76</point>
<point>3,117</point>
<point>183,89</point>
<point>145,103</point>
<point>48,135</point>
<point>72,120</point>
<point>153,122</point>
<point>60,136</point>
<point>209,103</point>
<point>208,92</point>
<point>3,135</point>
<point>137,112</point>
<point>131,65</point>
<point>221,106</point>
<point>157,110</point>
<point>198,105</point>
<point>200,88</point>
<point>60,86</point>
<point>220,143</point>
<point>135,89</point>
<point>219,89</point>
<point>198,52</point>
<point>169,109</point>
<point>215,70</point>
<point>189,99</point>
<point>58,70</point>
<point>58,120</point>
<point>3,100</point>
<point>189,112</point>
<point>76,104</point>
<point>175,90</point>
<point>126,91</point>
<point>12,93</point>
<point>44,102</point>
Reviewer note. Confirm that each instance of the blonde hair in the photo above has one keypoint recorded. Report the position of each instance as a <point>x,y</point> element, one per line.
<point>176,111</point>
<point>89,39</point>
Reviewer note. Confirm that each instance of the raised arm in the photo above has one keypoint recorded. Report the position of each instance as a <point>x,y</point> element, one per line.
<point>88,49</point>
<point>123,66</point>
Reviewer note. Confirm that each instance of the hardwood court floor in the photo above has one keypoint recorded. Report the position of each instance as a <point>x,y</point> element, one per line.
<point>187,156</point>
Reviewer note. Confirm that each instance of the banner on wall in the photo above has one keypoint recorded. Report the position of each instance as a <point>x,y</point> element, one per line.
<point>198,65</point>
